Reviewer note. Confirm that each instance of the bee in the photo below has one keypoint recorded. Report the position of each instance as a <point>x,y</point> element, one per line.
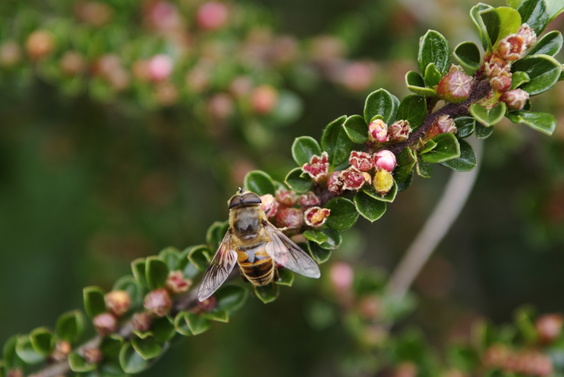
<point>256,245</point>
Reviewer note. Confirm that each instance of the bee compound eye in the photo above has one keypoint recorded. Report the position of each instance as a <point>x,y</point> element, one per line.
<point>250,198</point>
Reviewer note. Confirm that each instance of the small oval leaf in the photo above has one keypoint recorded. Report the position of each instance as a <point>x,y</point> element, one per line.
<point>382,103</point>
<point>156,272</point>
<point>468,56</point>
<point>343,214</point>
<point>543,70</point>
<point>335,142</point>
<point>466,161</point>
<point>543,122</point>
<point>70,326</point>
<point>447,148</point>
<point>368,207</point>
<point>549,44</point>
<point>433,49</point>
<point>259,182</point>
<point>303,149</point>
<point>356,129</point>
<point>94,302</point>
<point>298,181</point>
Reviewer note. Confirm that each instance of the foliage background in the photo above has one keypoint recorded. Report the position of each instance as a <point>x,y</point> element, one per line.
<point>86,187</point>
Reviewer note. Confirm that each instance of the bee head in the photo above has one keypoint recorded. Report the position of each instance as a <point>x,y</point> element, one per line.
<point>244,198</point>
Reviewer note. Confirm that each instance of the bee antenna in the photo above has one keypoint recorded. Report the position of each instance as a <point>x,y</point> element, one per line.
<point>241,190</point>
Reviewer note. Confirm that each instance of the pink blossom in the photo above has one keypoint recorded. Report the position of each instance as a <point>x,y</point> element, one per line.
<point>212,15</point>
<point>159,67</point>
<point>399,131</point>
<point>269,205</point>
<point>342,276</point>
<point>515,99</point>
<point>378,131</point>
<point>353,179</point>
<point>385,159</point>
<point>316,216</point>
<point>361,160</point>
<point>290,218</point>
<point>318,167</point>
<point>286,197</point>
<point>336,182</point>
<point>309,199</point>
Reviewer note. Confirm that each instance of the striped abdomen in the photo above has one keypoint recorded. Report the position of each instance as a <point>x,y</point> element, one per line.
<point>256,265</point>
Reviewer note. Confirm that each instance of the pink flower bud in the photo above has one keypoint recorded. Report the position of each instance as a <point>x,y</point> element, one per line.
<point>264,99</point>
<point>286,197</point>
<point>142,321</point>
<point>269,205</point>
<point>290,218</point>
<point>159,67</point>
<point>399,131</point>
<point>455,86</point>
<point>441,125</point>
<point>105,323</point>
<point>72,63</point>
<point>92,355</point>
<point>117,302</point>
<point>515,99</point>
<point>495,66</point>
<point>385,159</point>
<point>383,181</point>
<point>318,167</point>
<point>10,53</point>
<point>39,44</point>
<point>342,276</point>
<point>177,283</point>
<point>378,131</point>
<point>501,83</point>
<point>528,34</point>
<point>353,179</point>
<point>512,47</point>
<point>158,302</point>
<point>309,199</point>
<point>316,216</point>
<point>361,160</point>
<point>336,182</point>
<point>549,327</point>
<point>212,15</point>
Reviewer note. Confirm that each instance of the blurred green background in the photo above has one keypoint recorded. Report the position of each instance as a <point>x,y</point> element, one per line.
<point>87,185</point>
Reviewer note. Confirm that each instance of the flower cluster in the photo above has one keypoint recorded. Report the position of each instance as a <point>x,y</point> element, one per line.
<point>289,210</point>
<point>380,132</point>
<point>497,68</point>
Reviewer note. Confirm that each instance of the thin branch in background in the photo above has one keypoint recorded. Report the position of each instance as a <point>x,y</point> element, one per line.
<point>445,213</point>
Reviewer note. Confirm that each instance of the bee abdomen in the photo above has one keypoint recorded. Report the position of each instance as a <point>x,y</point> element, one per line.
<point>261,272</point>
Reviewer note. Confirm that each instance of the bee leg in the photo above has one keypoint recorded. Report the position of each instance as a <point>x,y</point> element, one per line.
<point>276,276</point>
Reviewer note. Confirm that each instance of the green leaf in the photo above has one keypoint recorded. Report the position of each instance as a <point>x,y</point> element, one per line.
<point>343,214</point>
<point>217,315</point>
<point>543,122</point>
<point>78,363</point>
<point>285,277</point>
<point>259,182</point>
<point>26,352</point>
<point>327,238</point>
<point>318,253</point>
<point>429,146</point>
<point>406,161</point>
<point>483,132</point>
<point>138,270</point>
<point>488,117</point>
<point>381,103</point>
<point>9,354</point>
<point>94,302</point>
<point>147,347</point>
<point>316,235</point>
<point>535,14</point>
<point>303,149</point>
<point>432,75</point>
<point>156,272</point>
<point>266,293</point>
<point>170,255</point>
<point>467,54</point>
<point>130,360</point>
<point>389,197</point>
<point>519,78</point>
<point>466,161</point>
<point>215,233</point>
<point>550,44</point>
<point>368,207</point>
<point>433,48</point>
<point>335,142</point>
<point>500,22</point>
<point>42,341</point>
<point>200,256</point>
<point>423,169</point>
<point>479,22</point>
<point>543,70</point>
<point>464,126</point>
<point>415,82</point>
<point>447,148</point>
<point>413,108</point>
<point>298,181</point>
<point>70,326</point>
<point>526,324</point>
<point>196,323</point>
<point>230,297</point>
<point>356,129</point>
<point>129,284</point>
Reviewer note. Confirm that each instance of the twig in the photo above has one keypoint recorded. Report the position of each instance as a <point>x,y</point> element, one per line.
<point>445,213</point>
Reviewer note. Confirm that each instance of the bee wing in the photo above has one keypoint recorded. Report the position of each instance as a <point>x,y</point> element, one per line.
<point>289,255</point>
<point>219,269</point>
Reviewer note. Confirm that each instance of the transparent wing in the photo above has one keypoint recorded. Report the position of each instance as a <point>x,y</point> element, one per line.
<point>289,255</point>
<point>219,269</point>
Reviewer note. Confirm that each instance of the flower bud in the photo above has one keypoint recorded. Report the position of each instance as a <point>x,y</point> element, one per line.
<point>399,131</point>
<point>336,182</point>
<point>528,34</point>
<point>269,205</point>
<point>10,53</point>
<point>159,67</point>
<point>361,160</point>
<point>357,76</point>
<point>318,167</point>
<point>501,83</point>
<point>515,99</point>
<point>212,15</point>
<point>177,283</point>
<point>309,199</point>
<point>383,181</point>
<point>353,179</point>
<point>286,197</point>
<point>142,321</point>
<point>455,86</point>
<point>370,307</point>
<point>290,218</point>
<point>441,125</point>
<point>378,131</point>
<point>264,99</point>
<point>73,63</point>
<point>117,302</point>
<point>512,47</point>
<point>549,327</point>
<point>61,351</point>
<point>92,355</point>
<point>495,66</point>
<point>105,323</point>
<point>385,159</point>
<point>220,106</point>
<point>342,276</point>
<point>39,44</point>
<point>316,216</point>
<point>158,302</point>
